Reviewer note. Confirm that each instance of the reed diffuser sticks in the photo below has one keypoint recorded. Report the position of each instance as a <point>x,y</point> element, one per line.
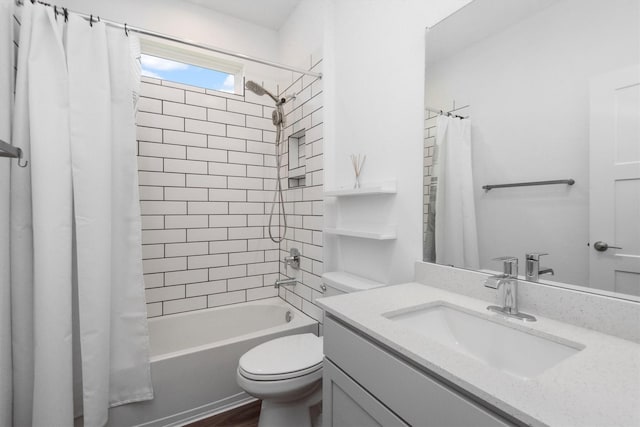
<point>357,162</point>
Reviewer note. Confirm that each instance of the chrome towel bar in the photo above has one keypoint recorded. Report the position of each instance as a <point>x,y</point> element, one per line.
<point>527,184</point>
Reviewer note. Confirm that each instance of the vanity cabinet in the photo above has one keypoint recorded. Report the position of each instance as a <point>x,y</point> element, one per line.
<point>365,384</point>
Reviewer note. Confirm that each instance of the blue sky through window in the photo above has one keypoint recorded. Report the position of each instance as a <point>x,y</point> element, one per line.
<point>179,72</point>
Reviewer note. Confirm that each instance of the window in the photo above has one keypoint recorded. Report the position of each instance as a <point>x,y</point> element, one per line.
<point>180,64</point>
<point>179,72</point>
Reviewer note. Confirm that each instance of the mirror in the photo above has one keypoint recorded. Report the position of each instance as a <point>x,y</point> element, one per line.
<point>527,93</point>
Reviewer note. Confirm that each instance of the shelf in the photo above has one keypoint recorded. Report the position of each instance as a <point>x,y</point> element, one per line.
<point>371,189</point>
<point>373,235</point>
<point>348,282</point>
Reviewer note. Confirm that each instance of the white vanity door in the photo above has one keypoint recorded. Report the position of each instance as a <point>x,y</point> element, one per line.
<point>615,181</point>
<point>346,404</point>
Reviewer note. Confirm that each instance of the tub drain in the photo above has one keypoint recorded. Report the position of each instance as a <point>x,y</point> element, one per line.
<point>288,316</point>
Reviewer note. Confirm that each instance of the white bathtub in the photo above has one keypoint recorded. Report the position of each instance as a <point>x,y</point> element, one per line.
<point>194,357</point>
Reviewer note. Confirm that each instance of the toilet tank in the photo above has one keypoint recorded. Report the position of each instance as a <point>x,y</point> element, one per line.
<point>340,282</point>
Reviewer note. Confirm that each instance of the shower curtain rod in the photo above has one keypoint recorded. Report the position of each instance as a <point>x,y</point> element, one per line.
<point>8,150</point>
<point>444,113</point>
<point>186,42</point>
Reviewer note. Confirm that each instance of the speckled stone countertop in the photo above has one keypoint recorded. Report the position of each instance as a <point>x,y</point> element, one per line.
<point>598,386</point>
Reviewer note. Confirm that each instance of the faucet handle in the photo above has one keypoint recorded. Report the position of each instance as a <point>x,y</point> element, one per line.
<point>535,256</point>
<point>509,265</point>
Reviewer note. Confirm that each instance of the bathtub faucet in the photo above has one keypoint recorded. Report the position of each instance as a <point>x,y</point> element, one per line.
<point>278,283</point>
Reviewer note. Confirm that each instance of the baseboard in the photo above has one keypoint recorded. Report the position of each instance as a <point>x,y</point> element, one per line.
<point>204,411</point>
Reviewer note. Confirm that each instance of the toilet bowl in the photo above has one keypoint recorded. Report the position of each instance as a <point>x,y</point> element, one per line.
<point>286,373</point>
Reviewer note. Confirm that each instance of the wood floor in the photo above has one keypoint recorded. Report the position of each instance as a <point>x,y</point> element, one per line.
<point>243,416</point>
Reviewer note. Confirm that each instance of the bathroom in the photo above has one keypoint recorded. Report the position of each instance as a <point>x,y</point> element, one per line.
<point>208,173</point>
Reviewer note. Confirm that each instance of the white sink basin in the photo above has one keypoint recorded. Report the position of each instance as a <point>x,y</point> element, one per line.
<point>514,351</point>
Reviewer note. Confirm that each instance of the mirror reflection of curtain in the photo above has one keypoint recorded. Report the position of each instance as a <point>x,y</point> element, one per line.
<point>456,236</point>
<point>429,247</point>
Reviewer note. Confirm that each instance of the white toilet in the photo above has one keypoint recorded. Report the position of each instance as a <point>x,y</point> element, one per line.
<point>286,372</point>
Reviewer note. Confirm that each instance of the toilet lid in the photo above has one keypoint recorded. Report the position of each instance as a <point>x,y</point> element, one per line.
<point>281,358</point>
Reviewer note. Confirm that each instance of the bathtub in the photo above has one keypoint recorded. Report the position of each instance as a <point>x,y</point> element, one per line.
<point>194,357</point>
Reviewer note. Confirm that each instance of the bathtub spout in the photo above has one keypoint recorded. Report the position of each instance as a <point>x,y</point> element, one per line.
<point>278,283</point>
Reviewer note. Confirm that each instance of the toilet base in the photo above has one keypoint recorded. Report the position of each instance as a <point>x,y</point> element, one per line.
<point>289,414</point>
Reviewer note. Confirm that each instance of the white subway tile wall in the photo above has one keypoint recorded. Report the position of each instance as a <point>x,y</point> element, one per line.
<point>207,173</point>
<point>304,204</point>
<point>205,164</point>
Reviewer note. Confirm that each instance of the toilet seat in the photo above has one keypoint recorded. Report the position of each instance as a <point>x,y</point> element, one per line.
<point>281,376</point>
<point>283,358</point>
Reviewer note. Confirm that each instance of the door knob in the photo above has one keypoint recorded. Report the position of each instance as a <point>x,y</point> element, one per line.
<point>603,246</point>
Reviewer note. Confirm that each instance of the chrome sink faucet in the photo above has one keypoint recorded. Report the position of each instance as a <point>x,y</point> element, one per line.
<point>533,270</point>
<point>508,283</point>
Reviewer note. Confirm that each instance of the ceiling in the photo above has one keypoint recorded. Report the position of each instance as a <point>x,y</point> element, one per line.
<point>267,13</point>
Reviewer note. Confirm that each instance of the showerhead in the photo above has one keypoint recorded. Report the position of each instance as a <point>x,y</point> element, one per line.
<point>259,90</point>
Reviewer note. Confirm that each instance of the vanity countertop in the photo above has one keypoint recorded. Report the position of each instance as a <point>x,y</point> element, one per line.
<point>598,386</point>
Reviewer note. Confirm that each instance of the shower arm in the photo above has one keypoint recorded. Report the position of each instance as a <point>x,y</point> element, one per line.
<point>272,96</point>
<point>286,99</point>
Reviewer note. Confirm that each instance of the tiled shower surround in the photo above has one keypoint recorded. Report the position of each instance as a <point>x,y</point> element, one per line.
<point>207,172</point>
<point>304,204</point>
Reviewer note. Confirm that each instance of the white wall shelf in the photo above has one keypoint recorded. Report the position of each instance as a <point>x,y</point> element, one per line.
<point>373,235</point>
<point>370,189</point>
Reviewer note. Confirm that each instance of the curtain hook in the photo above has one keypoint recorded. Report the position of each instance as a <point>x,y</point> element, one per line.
<point>20,159</point>
<point>55,12</point>
<point>66,14</point>
<point>91,21</point>
<point>126,31</point>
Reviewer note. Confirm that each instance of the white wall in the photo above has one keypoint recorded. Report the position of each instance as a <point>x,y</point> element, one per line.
<point>528,88</point>
<point>374,85</point>
<point>189,21</point>
<point>300,38</point>
<point>297,43</point>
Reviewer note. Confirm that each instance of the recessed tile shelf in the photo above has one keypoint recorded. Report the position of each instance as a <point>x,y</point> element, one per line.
<point>372,189</point>
<point>373,235</point>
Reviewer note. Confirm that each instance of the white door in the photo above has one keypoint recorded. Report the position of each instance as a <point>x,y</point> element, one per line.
<point>615,182</point>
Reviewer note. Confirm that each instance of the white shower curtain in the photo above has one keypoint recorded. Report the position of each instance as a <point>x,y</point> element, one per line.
<point>455,234</point>
<point>79,329</point>
<point>6,97</point>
